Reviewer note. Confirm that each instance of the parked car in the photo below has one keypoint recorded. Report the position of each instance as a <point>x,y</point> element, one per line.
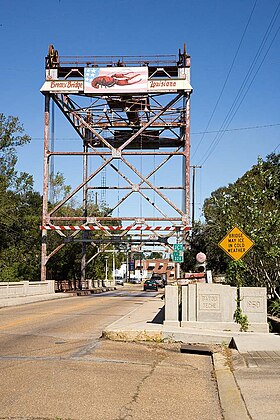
<point>150,285</point>
<point>135,280</point>
<point>158,279</point>
<point>119,281</point>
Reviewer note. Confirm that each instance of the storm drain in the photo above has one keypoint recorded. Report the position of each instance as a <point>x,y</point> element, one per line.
<point>195,349</point>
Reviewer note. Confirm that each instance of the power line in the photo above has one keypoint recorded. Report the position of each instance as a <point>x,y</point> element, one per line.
<point>227,77</point>
<point>235,106</point>
<point>253,127</point>
<point>194,167</point>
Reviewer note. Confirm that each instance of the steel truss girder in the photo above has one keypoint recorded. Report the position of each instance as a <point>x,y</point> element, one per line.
<point>91,132</point>
<point>67,107</point>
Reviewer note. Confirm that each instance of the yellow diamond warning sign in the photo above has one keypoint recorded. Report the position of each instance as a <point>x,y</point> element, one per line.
<point>236,243</point>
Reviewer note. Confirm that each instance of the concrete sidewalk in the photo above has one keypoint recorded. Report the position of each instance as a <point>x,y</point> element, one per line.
<point>248,383</point>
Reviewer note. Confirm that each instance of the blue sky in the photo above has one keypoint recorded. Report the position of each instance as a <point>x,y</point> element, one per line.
<point>212,31</point>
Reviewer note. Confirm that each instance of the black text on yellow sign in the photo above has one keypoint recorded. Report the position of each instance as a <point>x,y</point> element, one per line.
<point>236,244</point>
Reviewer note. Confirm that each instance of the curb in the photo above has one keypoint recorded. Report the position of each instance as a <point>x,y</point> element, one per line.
<point>232,403</point>
<point>137,335</point>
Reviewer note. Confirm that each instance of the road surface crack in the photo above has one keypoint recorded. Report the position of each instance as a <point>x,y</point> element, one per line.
<point>126,412</point>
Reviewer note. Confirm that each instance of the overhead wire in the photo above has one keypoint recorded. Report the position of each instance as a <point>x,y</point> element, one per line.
<point>253,127</point>
<point>227,77</point>
<point>244,95</point>
<point>276,148</point>
<point>235,105</point>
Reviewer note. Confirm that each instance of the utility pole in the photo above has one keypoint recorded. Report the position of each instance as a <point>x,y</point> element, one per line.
<point>194,167</point>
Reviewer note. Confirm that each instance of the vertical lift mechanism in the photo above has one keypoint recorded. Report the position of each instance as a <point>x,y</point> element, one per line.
<point>124,109</point>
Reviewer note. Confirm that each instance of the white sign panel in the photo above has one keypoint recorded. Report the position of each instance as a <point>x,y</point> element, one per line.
<point>115,79</point>
<point>168,85</point>
<point>63,86</point>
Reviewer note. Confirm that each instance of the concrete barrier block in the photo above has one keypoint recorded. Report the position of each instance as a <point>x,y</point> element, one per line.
<point>214,303</point>
<point>254,303</point>
<point>192,307</point>
<point>185,290</point>
<point>171,307</point>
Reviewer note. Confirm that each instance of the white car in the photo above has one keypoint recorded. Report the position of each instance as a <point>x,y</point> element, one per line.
<point>119,281</point>
<point>135,280</point>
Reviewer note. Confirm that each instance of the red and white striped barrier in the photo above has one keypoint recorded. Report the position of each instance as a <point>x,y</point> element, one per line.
<point>116,228</point>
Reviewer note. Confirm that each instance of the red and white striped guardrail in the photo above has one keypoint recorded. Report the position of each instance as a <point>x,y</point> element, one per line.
<point>116,228</point>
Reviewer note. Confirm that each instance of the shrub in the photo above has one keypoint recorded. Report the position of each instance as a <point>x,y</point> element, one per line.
<point>274,308</point>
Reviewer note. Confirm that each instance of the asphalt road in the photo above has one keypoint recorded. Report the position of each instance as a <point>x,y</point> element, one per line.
<point>55,365</point>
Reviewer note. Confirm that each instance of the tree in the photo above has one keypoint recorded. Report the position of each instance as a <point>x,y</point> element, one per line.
<point>66,263</point>
<point>20,239</point>
<point>252,204</point>
<point>20,215</point>
<point>10,137</point>
<point>197,244</point>
<point>20,209</point>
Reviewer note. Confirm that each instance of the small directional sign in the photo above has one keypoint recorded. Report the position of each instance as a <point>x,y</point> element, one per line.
<point>178,256</point>
<point>178,247</point>
<point>236,244</point>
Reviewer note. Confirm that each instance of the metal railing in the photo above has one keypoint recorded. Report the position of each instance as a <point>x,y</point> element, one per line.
<point>88,61</point>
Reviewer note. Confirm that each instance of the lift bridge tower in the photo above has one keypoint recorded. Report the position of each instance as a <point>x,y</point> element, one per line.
<point>131,118</point>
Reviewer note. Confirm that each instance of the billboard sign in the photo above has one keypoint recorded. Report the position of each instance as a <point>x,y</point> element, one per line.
<point>115,79</point>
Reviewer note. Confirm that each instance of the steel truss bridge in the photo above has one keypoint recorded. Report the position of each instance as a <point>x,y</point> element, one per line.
<point>132,115</point>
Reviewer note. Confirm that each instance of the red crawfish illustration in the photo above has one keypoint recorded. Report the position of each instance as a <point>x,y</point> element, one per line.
<point>120,79</point>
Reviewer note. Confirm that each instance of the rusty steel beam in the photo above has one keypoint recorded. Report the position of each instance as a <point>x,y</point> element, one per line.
<point>144,153</point>
<point>45,216</point>
<point>123,218</point>
<point>187,163</point>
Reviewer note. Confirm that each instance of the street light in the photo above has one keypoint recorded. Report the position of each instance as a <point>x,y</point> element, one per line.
<point>106,270</point>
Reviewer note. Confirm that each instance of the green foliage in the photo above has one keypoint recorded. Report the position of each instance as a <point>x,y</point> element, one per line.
<point>241,319</point>
<point>238,316</point>
<point>251,203</point>
<point>58,188</point>
<point>274,308</point>
<point>236,273</point>
<point>197,244</point>
<point>20,209</point>
<point>66,264</point>
<point>10,137</point>
<point>20,215</point>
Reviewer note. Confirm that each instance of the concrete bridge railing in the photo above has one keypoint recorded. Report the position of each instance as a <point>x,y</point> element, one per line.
<point>25,288</point>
